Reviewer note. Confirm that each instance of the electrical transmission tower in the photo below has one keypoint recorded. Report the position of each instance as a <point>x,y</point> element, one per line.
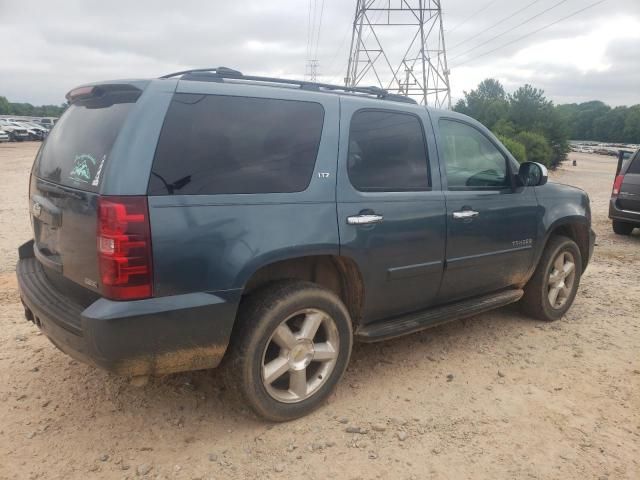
<point>399,45</point>
<point>311,72</point>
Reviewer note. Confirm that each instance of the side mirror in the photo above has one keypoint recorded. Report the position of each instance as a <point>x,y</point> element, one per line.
<point>532,174</point>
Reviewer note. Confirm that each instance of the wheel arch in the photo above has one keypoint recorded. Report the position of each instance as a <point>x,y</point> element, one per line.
<point>574,227</point>
<point>340,274</point>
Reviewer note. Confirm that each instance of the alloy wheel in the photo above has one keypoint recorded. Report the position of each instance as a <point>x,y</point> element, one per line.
<point>300,355</point>
<point>561,279</point>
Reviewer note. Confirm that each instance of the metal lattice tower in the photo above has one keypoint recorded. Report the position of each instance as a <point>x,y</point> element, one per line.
<point>399,45</point>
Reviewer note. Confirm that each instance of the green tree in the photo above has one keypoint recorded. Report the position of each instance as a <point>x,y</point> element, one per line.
<point>5,106</point>
<point>517,149</point>
<point>631,133</point>
<point>537,147</point>
<point>487,103</point>
<point>610,126</point>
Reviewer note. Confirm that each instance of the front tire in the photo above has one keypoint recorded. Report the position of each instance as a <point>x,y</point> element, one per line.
<point>553,286</point>
<point>291,348</point>
<point>622,228</point>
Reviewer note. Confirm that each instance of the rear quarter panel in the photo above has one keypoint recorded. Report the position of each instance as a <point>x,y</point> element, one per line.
<point>216,242</point>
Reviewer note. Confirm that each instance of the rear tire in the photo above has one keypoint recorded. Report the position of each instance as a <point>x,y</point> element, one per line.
<point>291,348</point>
<point>553,286</point>
<point>622,228</point>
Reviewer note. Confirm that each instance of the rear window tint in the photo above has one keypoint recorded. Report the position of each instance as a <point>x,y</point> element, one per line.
<point>77,148</point>
<point>387,152</point>
<point>214,144</point>
<point>634,166</point>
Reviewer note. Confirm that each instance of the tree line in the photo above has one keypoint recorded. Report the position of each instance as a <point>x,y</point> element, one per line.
<point>598,121</point>
<point>535,129</point>
<point>28,110</point>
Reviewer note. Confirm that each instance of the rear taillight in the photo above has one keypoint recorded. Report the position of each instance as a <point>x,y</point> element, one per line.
<point>617,184</point>
<point>124,248</point>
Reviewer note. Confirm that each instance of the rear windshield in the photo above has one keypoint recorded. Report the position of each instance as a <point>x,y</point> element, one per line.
<point>78,147</point>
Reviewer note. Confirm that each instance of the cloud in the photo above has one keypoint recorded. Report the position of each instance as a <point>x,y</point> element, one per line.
<point>57,45</point>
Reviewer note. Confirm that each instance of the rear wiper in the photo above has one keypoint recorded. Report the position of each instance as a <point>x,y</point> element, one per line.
<point>177,185</point>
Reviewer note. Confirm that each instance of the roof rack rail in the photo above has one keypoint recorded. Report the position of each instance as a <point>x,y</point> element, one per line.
<point>224,72</point>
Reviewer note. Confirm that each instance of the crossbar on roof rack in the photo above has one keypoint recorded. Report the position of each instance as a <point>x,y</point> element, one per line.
<point>224,72</point>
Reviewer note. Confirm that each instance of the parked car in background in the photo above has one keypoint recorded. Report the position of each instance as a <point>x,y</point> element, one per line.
<point>4,136</point>
<point>36,132</point>
<point>16,132</point>
<point>47,122</point>
<point>624,206</point>
<point>209,215</point>
<point>33,133</point>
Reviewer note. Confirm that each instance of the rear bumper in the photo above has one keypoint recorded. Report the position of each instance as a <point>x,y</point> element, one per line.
<point>592,243</point>
<point>616,213</point>
<point>143,337</point>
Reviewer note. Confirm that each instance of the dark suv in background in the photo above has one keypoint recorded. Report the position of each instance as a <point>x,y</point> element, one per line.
<point>208,215</point>
<point>624,206</point>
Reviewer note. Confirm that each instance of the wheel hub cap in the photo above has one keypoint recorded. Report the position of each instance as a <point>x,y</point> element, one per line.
<point>301,355</point>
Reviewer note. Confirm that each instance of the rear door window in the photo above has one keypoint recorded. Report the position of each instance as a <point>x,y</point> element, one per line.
<point>387,152</point>
<point>77,148</point>
<point>215,144</point>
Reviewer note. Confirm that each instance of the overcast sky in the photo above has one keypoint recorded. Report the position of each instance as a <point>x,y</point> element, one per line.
<point>51,46</point>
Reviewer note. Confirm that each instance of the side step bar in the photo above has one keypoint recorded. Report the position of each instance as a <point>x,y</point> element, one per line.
<point>414,322</point>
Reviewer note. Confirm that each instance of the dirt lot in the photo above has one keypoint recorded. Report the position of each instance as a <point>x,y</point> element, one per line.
<point>496,396</point>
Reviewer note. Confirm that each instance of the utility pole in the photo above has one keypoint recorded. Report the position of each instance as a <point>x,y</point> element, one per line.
<point>399,45</point>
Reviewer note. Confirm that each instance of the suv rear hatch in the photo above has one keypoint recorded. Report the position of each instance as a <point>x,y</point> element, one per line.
<point>98,242</point>
<point>628,188</point>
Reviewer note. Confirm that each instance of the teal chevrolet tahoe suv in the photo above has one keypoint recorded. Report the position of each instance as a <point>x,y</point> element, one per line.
<point>209,216</point>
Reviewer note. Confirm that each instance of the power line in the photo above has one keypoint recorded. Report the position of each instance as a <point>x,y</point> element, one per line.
<point>555,5</point>
<point>495,24</point>
<point>314,26</point>
<point>471,16</point>
<point>319,28</point>
<point>533,32</point>
<point>309,29</point>
<point>338,50</point>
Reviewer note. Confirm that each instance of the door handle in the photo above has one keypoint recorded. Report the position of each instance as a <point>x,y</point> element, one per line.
<point>465,214</point>
<point>364,219</point>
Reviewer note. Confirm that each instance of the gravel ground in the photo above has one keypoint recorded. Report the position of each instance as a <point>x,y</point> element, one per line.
<point>496,396</point>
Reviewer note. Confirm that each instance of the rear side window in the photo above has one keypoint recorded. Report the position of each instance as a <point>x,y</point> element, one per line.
<point>213,144</point>
<point>387,152</point>
<point>77,148</point>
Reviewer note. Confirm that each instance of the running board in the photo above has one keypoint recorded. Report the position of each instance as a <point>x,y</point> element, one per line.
<point>414,322</point>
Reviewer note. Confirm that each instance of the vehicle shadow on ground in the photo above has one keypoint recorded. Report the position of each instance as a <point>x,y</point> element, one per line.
<point>174,400</point>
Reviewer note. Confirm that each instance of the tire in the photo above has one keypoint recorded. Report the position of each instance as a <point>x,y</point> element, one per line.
<point>538,295</point>
<point>622,228</point>
<point>255,344</point>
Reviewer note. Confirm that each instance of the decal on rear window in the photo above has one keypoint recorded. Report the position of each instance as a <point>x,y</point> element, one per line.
<point>96,179</point>
<point>82,166</point>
